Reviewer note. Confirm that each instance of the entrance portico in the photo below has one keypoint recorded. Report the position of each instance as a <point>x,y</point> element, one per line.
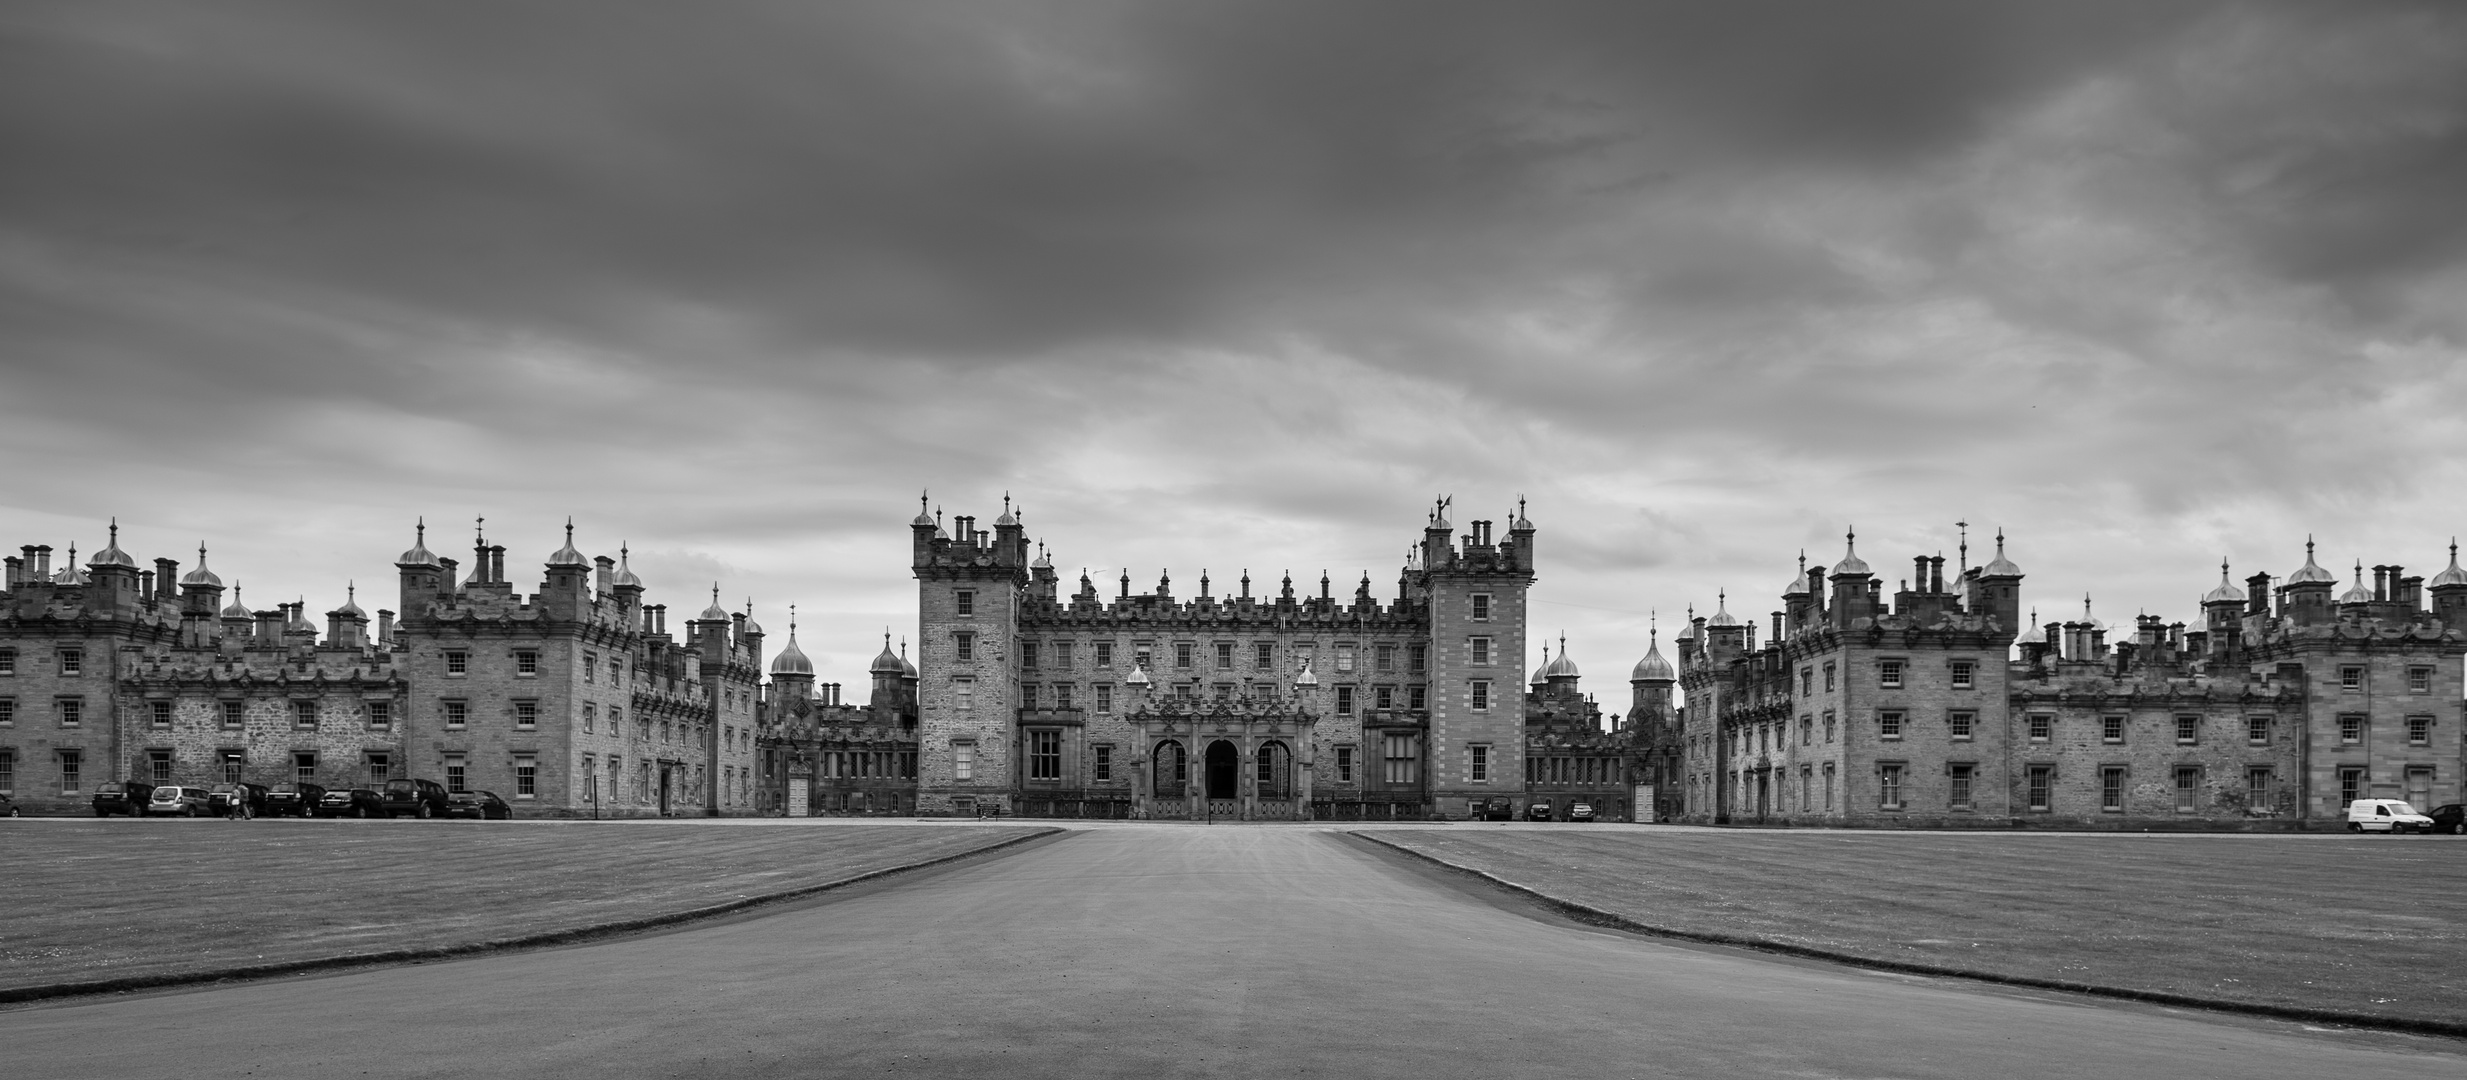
<point>1224,759</point>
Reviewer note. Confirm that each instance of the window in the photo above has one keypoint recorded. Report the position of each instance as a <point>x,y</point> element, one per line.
<point>1062,695</point>
<point>1417,697</point>
<point>1965,674</point>
<point>1828,787</point>
<point>380,769</point>
<point>8,712</point>
<point>1889,674</point>
<point>1481,695</point>
<point>304,768</point>
<point>8,661</point>
<point>1103,764</point>
<point>1961,775</point>
<point>72,661</point>
<point>380,713</point>
<point>1383,698</point>
<point>159,713</point>
<point>1889,787</point>
<point>616,673</point>
<point>1828,726</point>
<point>456,776</point>
<point>1344,701</point>
<point>2351,784</point>
<point>526,776</point>
<point>2351,731</point>
<point>1828,676</point>
<point>1344,659</point>
<point>1383,658</point>
<point>235,713</point>
<point>1481,607</point>
<point>964,603</point>
<point>1224,656</point>
<point>235,765</point>
<point>2188,788</point>
<point>1027,655</point>
<point>2419,680</point>
<point>1478,768</point>
<point>458,662</point>
<point>526,714</point>
<point>1045,755</point>
<point>1182,654</point>
<point>2188,729</point>
<point>1960,724</point>
<point>1104,697</point>
<point>2257,730</point>
<point>1344,764</point>
<point>1417,658</point>
<point>642,729</point>
<point>964,647</point>
<point>1807,731</point>
<point>1397,753</point>
<point>1807,681</point>
<point>2111,729</point>
<point>2042,786</point>
<point>1186,691</point>
<point>2042,727</point>
<point>2257,789</point>
<point>72,769</point>
<point>526,662</point>
<point>1104,654</point>
<point>963,761</point>
<point>1889,724</point>
<point>1263,655</point>
<point>1477,650</point>
<point>2111,788</point>
<point>2351,678</point>
<point>2419,731</point>
<point>72,711</point>
<point>8,771</point>
<point>590,717</point>
<point>158,767</point>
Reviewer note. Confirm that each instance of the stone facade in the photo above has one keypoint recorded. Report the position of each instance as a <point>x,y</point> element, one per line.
<point>1918,714</point>
<point>110,673</point>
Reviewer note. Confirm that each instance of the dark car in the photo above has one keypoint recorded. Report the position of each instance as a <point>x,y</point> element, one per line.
<point>1499,808</point>
<point>418,798</point>
<point>1539,810</point>
<point>8,806</point>
<point>293,800</point>
<point>484,805</point>
<point>1580,811</point>
<point>129,798</point>
<point>249,799</point>
<point>2450,819</point>
<point>357,802</point>
<point>177,800</point>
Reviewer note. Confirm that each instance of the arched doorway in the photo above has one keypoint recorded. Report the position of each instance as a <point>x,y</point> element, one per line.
<point>1224,771</point>
<point>1172,772</point>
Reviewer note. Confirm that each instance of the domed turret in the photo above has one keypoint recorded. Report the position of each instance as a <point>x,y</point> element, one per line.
<point>111,555</point>
<point>625,578</point>
<point>1851,563</point>
<point>351,603</point>
<point>887,662</point>
<point>2311,574</point>
<point>2000,566</point>
<point>201,576</point>
<point>2451,576</point>
<point>1721,607</point>
<point>1653,669</point>
<point>1541,675</point>
<point>714,613</point>
<point>1561,668</point>
<point>2359,594</point>
<point>236,609</point>
<point>2227,592</point>
<point>567,555</point>
<point>791,660</point>
<point>419,555</point>
<point>1798,585</point>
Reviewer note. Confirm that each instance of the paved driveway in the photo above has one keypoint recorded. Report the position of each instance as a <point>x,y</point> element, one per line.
<point>1162,951</point>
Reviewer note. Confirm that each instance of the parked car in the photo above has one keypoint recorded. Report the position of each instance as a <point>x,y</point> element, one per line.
<point>8,806</point>
<point>229,797</point>
<point>357,802</point>
<point>293,800</point>
<point>176,800</point>
<point>1580,811</point>
<point>1499,808</point>
<point>484,805</point>
<point>1538,810</point>
<point>418,798</point>
<point>2451,819</point>
<point>129,798</point>
<point>2385,815</point>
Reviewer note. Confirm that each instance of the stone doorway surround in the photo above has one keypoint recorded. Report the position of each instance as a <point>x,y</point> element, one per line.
<point>1242,725</point>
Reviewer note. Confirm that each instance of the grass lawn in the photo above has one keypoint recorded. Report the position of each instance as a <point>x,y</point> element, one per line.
<point>98,900</point>
<point>2371,925</point>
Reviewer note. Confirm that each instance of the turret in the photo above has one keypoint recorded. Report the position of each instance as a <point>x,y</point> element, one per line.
<point>1650,682</point>
<point>201,591</point>
<point>1851,578</point>
<point>2449,589</point>
<point>425,578</point>
<point>568,593</point>
<point>1997,590</point>
<point>111,577</point>
<point>2305,598</point>
<point>792,675</point>
<point>2222,613</point>
<point>347,626</point>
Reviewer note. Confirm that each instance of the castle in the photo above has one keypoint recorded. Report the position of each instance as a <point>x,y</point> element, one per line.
<point>573,700</point>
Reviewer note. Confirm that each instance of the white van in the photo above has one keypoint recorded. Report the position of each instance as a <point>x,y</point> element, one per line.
<point>2385,815</point>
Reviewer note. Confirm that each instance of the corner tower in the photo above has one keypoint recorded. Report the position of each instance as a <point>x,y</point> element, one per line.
<point>1477,591</point>
<point>969,588</point>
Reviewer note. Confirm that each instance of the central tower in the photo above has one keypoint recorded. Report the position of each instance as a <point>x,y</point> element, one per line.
<point>969,588</point>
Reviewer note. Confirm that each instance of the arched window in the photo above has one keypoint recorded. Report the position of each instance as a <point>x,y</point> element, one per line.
<point>1275,771</point>
<point>1173,771</point>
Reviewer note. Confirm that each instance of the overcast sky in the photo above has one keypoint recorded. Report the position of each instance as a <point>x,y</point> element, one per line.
<point>1238,285</point>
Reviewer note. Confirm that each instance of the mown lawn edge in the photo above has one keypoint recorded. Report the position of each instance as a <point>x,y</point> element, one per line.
<point>1591,915</point>
<point>567,936</point>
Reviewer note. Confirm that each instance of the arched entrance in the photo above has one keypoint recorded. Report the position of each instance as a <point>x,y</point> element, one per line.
<point>1224,771</point>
